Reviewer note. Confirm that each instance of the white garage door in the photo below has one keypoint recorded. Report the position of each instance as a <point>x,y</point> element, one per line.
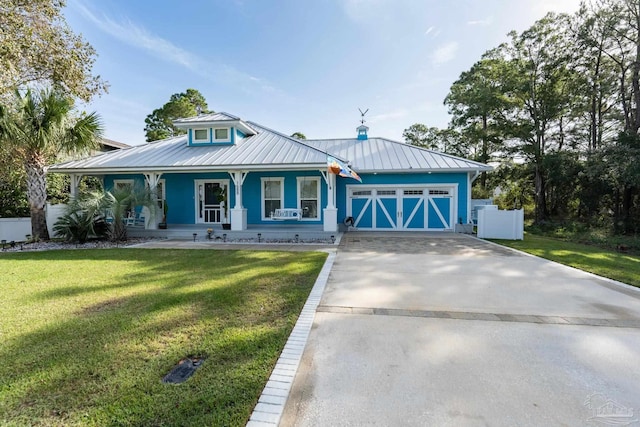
<point>402,208</point>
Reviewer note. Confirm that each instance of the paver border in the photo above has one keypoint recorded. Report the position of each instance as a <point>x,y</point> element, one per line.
<point>270,407</point>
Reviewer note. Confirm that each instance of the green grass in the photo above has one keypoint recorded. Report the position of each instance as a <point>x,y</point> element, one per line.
<point>604,262</point>
<point>87,335</point>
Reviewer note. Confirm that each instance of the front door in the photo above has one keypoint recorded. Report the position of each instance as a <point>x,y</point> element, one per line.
<point>210,208</point>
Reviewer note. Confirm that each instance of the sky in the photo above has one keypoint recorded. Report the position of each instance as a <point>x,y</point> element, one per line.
<point>291,65</point>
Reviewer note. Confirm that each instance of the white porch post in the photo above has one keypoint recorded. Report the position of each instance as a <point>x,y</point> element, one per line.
<point>330,213</point>
<point>238,213</point>
<point>75,182</point>
<point>151,218</point>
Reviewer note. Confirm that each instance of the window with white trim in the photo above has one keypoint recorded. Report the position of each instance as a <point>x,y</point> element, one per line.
<point>201,135</point>
<point>221,135</point>
<point>272,195</point>
<point>121,184</point>
<point>309,197</point>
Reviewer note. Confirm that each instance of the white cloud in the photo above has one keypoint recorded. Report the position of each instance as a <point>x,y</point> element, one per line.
<point>445,53</point>
<point>134,35</point>
<point>432,32</point>
<point>482,22</point>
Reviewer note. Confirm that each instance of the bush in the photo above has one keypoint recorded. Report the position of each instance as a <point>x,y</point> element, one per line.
<point>83,219</point>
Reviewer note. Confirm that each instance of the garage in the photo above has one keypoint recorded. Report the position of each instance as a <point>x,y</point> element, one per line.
<point>387,208</point>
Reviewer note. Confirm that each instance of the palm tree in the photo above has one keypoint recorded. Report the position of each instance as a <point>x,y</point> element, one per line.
<point>37,127</point>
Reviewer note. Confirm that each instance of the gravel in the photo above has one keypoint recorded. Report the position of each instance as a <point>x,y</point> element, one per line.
<point>51,245</point>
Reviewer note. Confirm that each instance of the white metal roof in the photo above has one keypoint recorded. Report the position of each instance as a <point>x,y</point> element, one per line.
<point>266,149</point>
<point>214,119</point>
<point>384,155</point>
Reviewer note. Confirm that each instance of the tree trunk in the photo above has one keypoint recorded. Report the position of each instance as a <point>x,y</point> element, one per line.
<point>37,196</point>
<point>540,196</point>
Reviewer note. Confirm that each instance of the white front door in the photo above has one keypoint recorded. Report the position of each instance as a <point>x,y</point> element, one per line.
<point>210,194</point>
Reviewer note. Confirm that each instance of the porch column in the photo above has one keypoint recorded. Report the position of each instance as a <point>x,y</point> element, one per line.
<point>238,212</point>
<point>75,182</point>
<point>151,217</point>
<point>330,213</point>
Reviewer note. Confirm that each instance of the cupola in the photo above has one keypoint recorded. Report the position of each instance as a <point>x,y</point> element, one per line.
<point>362,129</point>
<point>362,132</point>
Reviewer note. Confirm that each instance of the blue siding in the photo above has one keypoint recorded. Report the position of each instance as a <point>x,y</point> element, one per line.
<point>181,197</point>
<point>181,194</point>
<point>252,194</point>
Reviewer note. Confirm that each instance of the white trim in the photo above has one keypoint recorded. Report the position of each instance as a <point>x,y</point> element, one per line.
<point>318,198</point>
<point>195,140</point>
<point>192,169</point>
<point>266,215</point>
<point>196,198</point>
<point>215,139</point>
<point>129,182</point>
<point>238,178</point>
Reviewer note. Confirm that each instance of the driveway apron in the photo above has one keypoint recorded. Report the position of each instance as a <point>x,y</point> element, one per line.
<point>419,329</point>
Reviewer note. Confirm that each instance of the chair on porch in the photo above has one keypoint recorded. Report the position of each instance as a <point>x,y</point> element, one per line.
<point>130,219</point>
<point>140,220</point>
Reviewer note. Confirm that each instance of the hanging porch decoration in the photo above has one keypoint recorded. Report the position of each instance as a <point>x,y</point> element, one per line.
<point>337,167</point>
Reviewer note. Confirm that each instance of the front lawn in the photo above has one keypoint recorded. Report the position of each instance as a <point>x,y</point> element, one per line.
<point>87,335</point>
<point>608,263</point>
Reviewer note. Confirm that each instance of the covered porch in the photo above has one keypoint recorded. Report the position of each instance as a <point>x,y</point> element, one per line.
<point>211,199</point>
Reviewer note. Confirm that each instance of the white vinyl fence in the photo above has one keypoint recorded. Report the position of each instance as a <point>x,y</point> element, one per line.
<point>16,229</point>
<point>496,224</point>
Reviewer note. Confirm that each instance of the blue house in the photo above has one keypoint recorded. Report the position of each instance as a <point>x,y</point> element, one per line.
<point>227,170</point>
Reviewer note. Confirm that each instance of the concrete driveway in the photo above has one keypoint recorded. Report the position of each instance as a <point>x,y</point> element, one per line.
<point>448,330</point>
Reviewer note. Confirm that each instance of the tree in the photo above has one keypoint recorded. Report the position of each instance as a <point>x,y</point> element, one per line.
<point>619,22</point>
<point>159,124</point>
<point>539,83</point>
<point>421,136</point>
<point>13,186</point>
<point>478,106</point>
<point>38,126</point>
<point>38,47</point>
<point>298,135</point>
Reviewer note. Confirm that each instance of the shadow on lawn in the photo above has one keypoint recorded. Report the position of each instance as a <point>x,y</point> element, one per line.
<point>104,362</point>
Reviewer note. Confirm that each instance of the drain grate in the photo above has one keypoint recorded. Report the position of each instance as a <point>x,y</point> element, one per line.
<point>183,370</point>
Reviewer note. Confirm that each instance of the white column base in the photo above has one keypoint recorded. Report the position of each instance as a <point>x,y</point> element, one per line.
<point>330,219</point>
<point>238,219</point>
<point>150,222</point>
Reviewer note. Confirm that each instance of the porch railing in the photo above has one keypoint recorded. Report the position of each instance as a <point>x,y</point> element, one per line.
<point>212,214</point>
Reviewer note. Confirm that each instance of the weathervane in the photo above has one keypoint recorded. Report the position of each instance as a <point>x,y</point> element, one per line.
<point>362,115</point>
